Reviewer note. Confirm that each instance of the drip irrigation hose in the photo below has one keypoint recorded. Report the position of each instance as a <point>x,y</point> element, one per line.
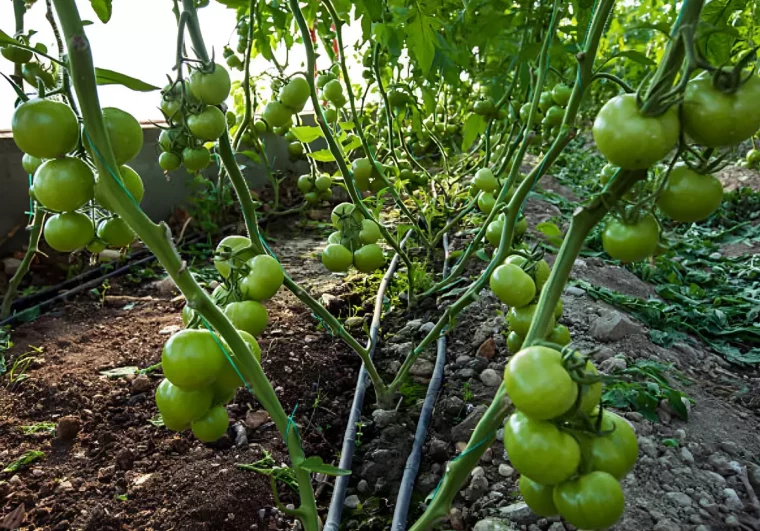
<point>334,514</point>
<point>415,456</point>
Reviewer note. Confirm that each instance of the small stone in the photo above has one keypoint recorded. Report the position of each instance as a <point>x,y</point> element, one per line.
<point>575,291</point>
<point>11,265</point>
<point>478,471</point>
<point>714,477</point>
<point>732,501</point>
<point>506,471</point>
<point>487,456</point>
<point>731,448</point>
<point>383,417</point>
<point>721,465</point>
<point>477,488</point>
<point>679,498</point>
<point>634,416</point>
<point>333,304</point>
<point>439,450</point>
<point>164,286</point>
<point>648,446</point>
<point>68,428</point>
<point>463,430</point>
<point>466,373</point>
<point>65,486</point>
<point>351,502</point>
<point>456,520</point>
<point>487,349</point>
<point>141,384</point>
<point>427,482</point>
<point>15,481</point>
<point>254,419</point>
<point>423,368</point>
<point>169,330</point>
<point>493,524</point>
<point>613,364</point>
<point>519,513</point>
<point>686,456</point>
<point>732,521</point>
<point>500,435</point>
<point>106,473</point>
<point>666,525</point>
<point>753,472</point>
<point>363,486</point>
<point>427,328</point>
<point>557,526</point>
<point>702,528</point>
<point>491,378</point>
<point>613,326</point>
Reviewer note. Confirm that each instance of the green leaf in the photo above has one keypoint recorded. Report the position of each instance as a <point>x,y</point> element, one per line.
<point>103,9</point>
<point>323,155</point>
<point>120,372</point>
<point>346,126</point>
<point>7,39</point>
<point>402,229</point>
<point>473,126</point>
<point>27,458</point>
<point>551,231</point>
<point>307,133</point>
<point>253,156</point>
<point>109,77</point>
<point>716,43</point>
<point>315,465</point>
<point>635,56</point>
<point>421,39</point>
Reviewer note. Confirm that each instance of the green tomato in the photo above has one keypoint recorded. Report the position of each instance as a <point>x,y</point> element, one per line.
<point>630,139</point>
<point>690,196</point>
<point>541,272</point>
<point>16,54</point>
<point>45,129</point>
<point>31,72</point>
<point>295,93</point>
<point>512,285</point>
<point>335,237</point>
<point>539,450</point>
<point>131,181</point>
<point>607,172</point>
<point>192,359</point>
<point>228,380</point>
<point>265,278</point>
<point>212,425</point>
<point>295,149</point>
<point>276,114</point>
<point>323,183</point>
<point>538,383</point>
<point>172,140</point>
<point>753,158</point>
<point>554,116</point>
<point>519,319</point>
<point>346,214</point>
<point>486,202</point>
<point>311,197</point>
<point>260,127</point>
<point>125,134</point>
<point>616,451</point>
<point>591,395</point>
<point>187,314</point>
<point>30,164</point>
<point>331,115</point>
<point>69,231</point>
<point>333,91</point>
<point>560,335</point>
<point>169,161</point>
<point>631,243</point>
<point>592,501</point>
<point>514,342</point>
<point>179,407</point>
<point>249,316</point>
<point>207,125</point>
<point>369,258</point>
<point>96,246</point>
<point>561,94</point>
<point>494,230</point>
<point>323,79</point>
<point>485,180</point>
<point>538,497</point>
<point>196,159</point>
<point>714,118</point>
<point>210,88</point>
<point>545,101</point>
<point>337,258</point>
<point>370,232</point>
<point>64,184</point>
<point>305,183</point>
<point>228,245</point>
<point>115,232</point>
<point>483,107</point>
<point>363,171</point>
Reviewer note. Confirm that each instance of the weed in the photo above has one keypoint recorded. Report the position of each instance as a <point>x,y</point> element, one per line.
<point>18,371</point>
<point>359,433</point>
<point>40,427</point>
<point>466,392</point>
<point>27,458</point>
<point>266,466</point>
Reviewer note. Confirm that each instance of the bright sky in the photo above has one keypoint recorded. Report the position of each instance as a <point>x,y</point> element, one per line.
<point>138,41</point>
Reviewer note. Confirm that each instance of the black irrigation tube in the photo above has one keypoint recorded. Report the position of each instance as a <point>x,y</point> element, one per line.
<point>415,456</point>
<point>334,514</point>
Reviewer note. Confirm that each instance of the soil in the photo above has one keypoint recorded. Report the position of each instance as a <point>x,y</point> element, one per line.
<point>121,472</point>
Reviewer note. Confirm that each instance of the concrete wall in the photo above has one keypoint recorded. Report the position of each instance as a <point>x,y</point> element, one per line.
<point>163,194</point>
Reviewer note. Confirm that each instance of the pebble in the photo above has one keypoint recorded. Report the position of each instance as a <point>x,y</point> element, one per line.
<point>169,330</point>
<point>506,471</point>
<point>427,327</point>
<point>141,384</point>
<point>68,428</point>
<point>732,521</point>
<point>254,419</point>
<point>351,502</point>
<point>422,367</point>
<point>477,488</point>
<point>720,464</point>
<point>613,326</point>
<point>478,471</point>
<point>383,417</point>
<point>648,446</point>
<point>519,513</point>
<point>490,377</point>
<point>666,525</point>
<point>612,364</point>
<point>575,291</point>
<point>732,501</point>
<point>492,524</point>
<point>557,526</point>
<point>679,498</point>
<point>686,456</point>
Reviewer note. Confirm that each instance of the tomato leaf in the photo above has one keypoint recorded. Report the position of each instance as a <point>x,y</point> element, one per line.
<point>103,9</point>
<point>27,458</point>
<point>251,155</point>
<point>7,39</point>
<point>109,77</point>
<point>634,56</point>
<point>473,126</point>
<point>323,155</point>
<point>421,39</point>
<point>307,133</point>
<point>402,229</point>
<point>551,231</point>
<point>718,38</point>
<point>315,465</point>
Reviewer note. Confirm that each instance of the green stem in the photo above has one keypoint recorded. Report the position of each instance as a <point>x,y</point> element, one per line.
<point>19,9</point>
<point>35,230</point>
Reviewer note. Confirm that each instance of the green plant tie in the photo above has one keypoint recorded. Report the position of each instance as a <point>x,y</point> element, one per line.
<point>31,201</point>
<point>460,456</point>
<point>226,354</point>
<point>291,422</point>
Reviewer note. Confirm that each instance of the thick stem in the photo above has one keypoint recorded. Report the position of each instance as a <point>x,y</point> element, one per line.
<point>35,230</point>
<point>19,9</point>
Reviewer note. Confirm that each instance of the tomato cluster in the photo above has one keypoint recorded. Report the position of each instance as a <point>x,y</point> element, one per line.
<point>315,189</point>
<point>570,453</point>
<point>47,131</point>
<point>550,112</point>
<point>354,243</point>
<point>192,111</point>
<point>200,378</point>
